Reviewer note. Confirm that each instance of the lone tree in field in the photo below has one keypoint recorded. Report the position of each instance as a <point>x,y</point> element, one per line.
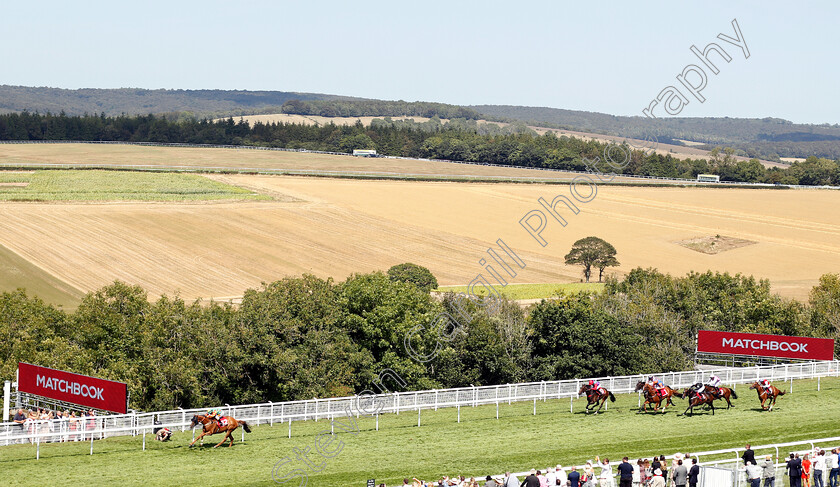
<point>592,252</point>
<point>415,274</point>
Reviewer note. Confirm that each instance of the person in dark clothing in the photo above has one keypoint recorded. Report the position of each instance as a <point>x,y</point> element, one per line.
<point>794,468</point>
<point>530,481</point>
<point>749,455</point>
<point>574,478</point>
<point>625,473</point>
<point>693,473</point>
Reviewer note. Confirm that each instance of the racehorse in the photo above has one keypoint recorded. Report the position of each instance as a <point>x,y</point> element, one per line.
<point>721,393</point>
<point>212,427</point>
<point>697,399</point>
<point>763,395</point>
<point>652,396</point>
<point>595,397</point>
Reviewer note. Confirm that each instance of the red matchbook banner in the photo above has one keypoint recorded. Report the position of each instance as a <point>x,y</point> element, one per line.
<point>765,345</point>
<point>84,390</point>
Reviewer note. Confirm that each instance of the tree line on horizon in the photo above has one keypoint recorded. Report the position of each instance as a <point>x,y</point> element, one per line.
<point>304,337</point>
<point>458,140</point>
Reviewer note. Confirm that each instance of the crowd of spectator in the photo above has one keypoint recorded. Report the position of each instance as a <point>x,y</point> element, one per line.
<point>656,472</point>
<point>52,425</point>
<point>814,469</point>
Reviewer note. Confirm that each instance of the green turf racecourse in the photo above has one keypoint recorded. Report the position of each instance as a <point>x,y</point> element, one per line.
<point>478,445</point>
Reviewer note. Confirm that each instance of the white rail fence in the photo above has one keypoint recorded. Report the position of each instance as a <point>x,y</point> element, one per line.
<point>137,423</point>
<point>354,173</point>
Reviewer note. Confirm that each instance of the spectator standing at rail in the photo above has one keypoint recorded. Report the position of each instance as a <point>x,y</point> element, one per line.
<point>748,455</point>
<point>658,478</point>
<point>680,474</point>
<point>531,480</point>
<point>806,471</point>
<point>693,473</point>
<point>753,473</point>
<point>562,477</point>
<point>637,473</point>
<point>794,468</point>
<point>625,473</point>
<point>768,471</point>
<point>574,478</point>
<point>644,472</point>
<point>818,465</point>
<point>510,480</point>
<point>835,467</point>
<point>550,476</point>
<point>606,477</point>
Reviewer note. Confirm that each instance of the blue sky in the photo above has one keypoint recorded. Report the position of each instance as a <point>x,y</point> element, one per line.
<point>596,56</point>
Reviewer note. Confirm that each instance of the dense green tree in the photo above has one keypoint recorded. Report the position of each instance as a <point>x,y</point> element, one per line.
<point>592,252</point>
<point>415,274</point>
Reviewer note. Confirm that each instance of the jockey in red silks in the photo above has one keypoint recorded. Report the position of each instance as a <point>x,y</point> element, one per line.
<point>594,385</point>
<point>766,385</point>
<point>657,385</point>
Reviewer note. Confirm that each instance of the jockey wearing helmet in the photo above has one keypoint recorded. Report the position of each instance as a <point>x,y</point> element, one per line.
<point>714,381</point>
<point>657,385</point>
<point>215,415</point>
<point>766,384</point>
<point>594,385</point>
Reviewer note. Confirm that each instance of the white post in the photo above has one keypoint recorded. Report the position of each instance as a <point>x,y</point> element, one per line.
<point>418,417</point>
<point>818,382</point>
<point>535,406</point>
<point>397,406</point>
<point>377,421</point>
<point>243,435</point>
<point>571,404</point>
<point>459,413</point>
<point>290,427</point>
<point>497,409</point>
<point>144,440</point>
<point>7,397</point>
<point>183,420</point>
<point>91,444</point>
<point>271,414</point>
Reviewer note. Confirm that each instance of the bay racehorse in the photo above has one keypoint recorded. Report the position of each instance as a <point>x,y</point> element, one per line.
<point>211,427</point>
<point>595,396</point>
<point>764,396</point>
<point>697,399</point>
<point>653,396</point>
<point>721,393</point>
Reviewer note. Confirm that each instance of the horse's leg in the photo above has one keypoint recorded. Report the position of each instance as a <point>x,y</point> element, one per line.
<point>230,435</point>
<point>712,404</point>
<point>227,434</point>
<point>198,438</point>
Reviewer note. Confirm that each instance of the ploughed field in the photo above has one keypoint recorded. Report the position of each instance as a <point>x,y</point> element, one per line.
<point>477,446</point>
<point>241,230</point>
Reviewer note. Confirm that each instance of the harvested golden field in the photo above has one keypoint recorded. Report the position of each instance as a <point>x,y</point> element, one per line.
<point>334,227</point>
<point>257,160</point>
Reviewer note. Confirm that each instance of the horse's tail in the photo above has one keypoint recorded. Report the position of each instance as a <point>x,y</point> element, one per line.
<point>781,392</point>
<point>732,391</point>
<point>612,398</point>
<point>245,426</point>
<point>678,394</point>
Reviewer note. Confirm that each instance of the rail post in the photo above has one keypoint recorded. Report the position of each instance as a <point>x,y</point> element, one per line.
<point>418,416</point>
<point>290,426</point>
<point>270,413</point>
<point>535,406</point>
<point>144,440</point>
<point>459,412</point>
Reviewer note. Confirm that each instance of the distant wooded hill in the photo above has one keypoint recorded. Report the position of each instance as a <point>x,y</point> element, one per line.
<point>135,101</point>
<point>763,138</point>
<point>766,138</point>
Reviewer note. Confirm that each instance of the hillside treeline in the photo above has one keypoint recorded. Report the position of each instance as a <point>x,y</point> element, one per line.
<point>764,138</point>
<point>305,337</point>
<point>458,140</point>
<point>378,108</point>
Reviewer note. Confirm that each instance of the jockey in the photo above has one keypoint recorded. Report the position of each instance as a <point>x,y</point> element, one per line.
<point>215,415</point>
<point>766,385</point>
<point>164,434</point>
<point>714,381</point>
<point>657,385</point>
<point>594,385</point>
